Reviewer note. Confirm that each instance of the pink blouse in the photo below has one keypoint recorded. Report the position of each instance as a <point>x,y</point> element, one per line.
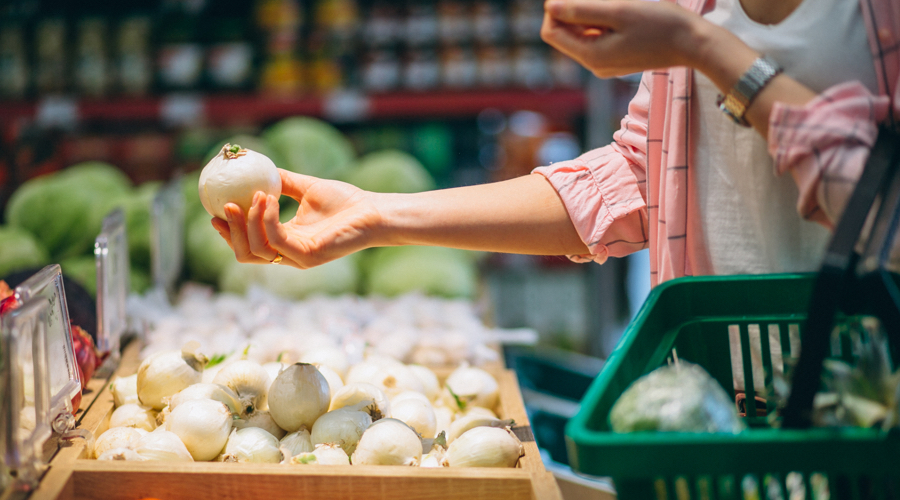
<point>635,192</point>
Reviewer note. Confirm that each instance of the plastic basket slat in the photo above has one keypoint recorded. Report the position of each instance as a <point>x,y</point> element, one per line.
<point>694,315</point>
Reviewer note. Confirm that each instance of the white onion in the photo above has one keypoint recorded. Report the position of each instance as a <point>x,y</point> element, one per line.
<point>388,442</point>
<point>389,375</point>
<point>332,357</point>
<point>273,368</point>
<point>463,424</point>
<point>262,419</point>
<point>343,426</point>
<point>472,386</point>
<point>165,374</point>
<point>124,390</point>
<point>298,396</point>
<point>133,415</point>
<point>163,446</point>
<point>296,443</point>
<point>201,390</point>
<point>203,425</point>
<point>235,180</point>
<point>417,414</point>
<point>484,447</point>
<point>443,417</point>
<point>252,444</point>
<point>332,377</point>
<point>249,380</point>
<point>410,395</point>
<point>431,387</point>
<point>324,454</point>
<point>117,437</point>
<point>357,392</point>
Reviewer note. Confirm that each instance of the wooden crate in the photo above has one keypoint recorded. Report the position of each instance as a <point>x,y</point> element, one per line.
<point>74,476</point>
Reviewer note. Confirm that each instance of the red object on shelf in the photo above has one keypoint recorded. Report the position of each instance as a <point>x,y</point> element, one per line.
<point>559,103</point>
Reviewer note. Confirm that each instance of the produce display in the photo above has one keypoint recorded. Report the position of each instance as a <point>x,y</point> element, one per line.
<point>180,406</point>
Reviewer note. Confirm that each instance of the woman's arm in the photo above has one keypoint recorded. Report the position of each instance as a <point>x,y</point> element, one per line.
<point>522,215</point>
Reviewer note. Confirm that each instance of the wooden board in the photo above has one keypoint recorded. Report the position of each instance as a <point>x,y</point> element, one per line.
<point>73,475</point>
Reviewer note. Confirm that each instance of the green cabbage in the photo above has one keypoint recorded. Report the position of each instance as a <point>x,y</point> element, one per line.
<point>439,271</point>
<point>390,171</point>
<point>64,210</point>
<point>309,146</point>
<point>206,254</point>
<point>20,250</point>
<point>681,397</point>
<point>83,270</point>
<point>334,278</point>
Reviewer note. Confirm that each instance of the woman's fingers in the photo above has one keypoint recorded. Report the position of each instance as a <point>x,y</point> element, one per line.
<point>237,225</point>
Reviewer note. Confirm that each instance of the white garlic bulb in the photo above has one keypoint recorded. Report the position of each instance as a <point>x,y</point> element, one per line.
<point>388,442</point>
<point>484,447</point>
<point>165,374</point>
<point>203,425</point>
<point>234,176</point>
<point>298,396</point>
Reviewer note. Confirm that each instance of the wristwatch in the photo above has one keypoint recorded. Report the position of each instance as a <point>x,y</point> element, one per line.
<point>745,90</point>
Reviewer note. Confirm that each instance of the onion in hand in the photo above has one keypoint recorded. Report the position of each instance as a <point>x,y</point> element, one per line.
<point>234,176</point>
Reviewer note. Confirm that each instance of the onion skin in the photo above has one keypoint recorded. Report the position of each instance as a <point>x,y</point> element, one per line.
<point>236,180</point>
<point>298,397</point>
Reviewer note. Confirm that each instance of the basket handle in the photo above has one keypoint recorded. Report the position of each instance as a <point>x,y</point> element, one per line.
<point>837,275</point>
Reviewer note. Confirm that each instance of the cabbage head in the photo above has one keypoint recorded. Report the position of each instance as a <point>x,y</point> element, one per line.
<point>206,254</point>
<point>62,209</point>
<point>337,277</point>
<point>440,271</point>
<point>390,171</point>
<point>681,397</point>
<point>20,250</point>
<point>309,146</point>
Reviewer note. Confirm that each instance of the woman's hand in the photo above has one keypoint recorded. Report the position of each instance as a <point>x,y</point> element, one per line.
<point>333,220</point>
<point>618,37</point>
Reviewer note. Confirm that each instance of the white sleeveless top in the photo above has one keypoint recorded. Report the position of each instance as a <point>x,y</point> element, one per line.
<point>748,213</point>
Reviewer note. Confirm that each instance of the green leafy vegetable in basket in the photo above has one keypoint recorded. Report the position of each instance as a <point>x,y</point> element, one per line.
<point>680,397</point>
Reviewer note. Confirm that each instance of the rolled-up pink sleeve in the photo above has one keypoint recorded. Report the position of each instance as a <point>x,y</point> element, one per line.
<point>604,190</point>
<point>825,145</point>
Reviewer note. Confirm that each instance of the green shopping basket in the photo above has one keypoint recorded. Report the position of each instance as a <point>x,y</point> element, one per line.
<point>749,327</point>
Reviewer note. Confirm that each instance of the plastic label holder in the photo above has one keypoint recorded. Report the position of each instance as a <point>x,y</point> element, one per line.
<point>113,267</point>
<point>167,237</point>
<point>24,393</point>
<point>64,378</point>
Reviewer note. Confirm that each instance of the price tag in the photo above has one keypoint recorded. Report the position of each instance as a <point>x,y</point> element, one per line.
<point>63,378</point>
<point>57,111</point>
<point>346,106</point>
<point>111,254</point>
<point>24,391</point>
<point>182,109</point>
<point>167,236</point>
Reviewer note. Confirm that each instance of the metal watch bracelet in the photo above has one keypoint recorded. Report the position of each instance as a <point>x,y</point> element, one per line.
<point>738,99</point>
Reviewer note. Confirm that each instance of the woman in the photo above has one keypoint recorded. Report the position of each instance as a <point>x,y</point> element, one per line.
<point>680,177</point>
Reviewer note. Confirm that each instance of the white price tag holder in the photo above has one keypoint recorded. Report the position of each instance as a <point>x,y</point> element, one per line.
<point>64,379</point>
<point>24,394</point>
<point>113,266</point>
<point>167,237</point>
